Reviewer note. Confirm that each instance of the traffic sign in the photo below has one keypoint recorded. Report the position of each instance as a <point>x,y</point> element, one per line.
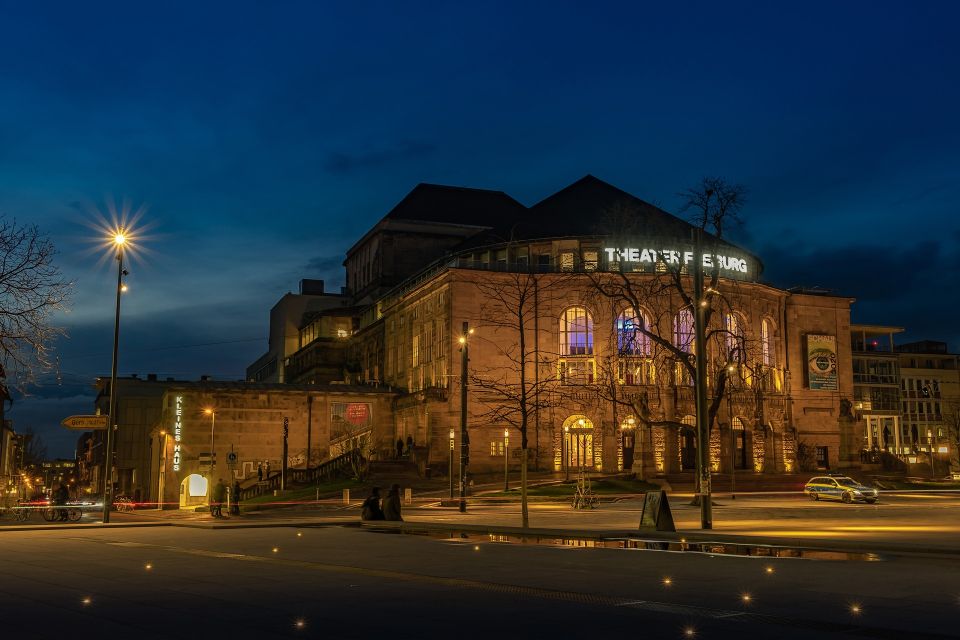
<point>85,423</point>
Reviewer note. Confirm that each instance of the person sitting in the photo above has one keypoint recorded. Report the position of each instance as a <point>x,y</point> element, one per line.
<point>371,506</point>
<point>391,504</point>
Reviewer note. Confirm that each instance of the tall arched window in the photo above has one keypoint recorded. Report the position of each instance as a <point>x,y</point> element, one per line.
<point>734,337</point>
<point>576,365</point>
<point>630,340</point>
<point>576,332</point>
<point>766,343</point>
<point>683,330</point>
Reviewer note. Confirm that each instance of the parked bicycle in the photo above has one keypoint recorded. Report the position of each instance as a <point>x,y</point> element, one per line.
<point>123,503</point>
<point>584,498</point>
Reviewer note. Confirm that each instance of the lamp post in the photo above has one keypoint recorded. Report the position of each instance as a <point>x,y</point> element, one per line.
<point>703,427</point>
<point>506,460</point>
<point>564,448</point>
<point>213,456</point>
<point>161,467</point>
<point>451,462</point>
<point>119,240</point>
<point>464,438</point>
<point>933,469</point>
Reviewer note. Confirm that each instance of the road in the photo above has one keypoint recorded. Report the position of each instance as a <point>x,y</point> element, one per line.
<point>925,520</point>
<point>338,582</point>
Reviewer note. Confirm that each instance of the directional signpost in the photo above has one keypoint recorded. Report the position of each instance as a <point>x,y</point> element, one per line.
<point>85,423</point>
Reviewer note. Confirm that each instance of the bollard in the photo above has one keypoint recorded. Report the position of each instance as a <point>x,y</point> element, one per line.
<point>346,496</point>
<point>408,496</point>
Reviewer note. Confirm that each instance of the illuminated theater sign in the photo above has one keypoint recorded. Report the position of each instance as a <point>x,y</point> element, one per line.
<point>673,256</point>
<point>177,432</point>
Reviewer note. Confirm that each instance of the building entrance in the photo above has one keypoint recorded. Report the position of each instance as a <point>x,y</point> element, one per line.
<point>578,442</point>
<point>688,450</point>
<point>739,445</point>
<point>193,491</point>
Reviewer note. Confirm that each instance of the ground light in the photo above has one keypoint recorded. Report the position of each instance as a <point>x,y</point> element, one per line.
<point>689,632</point>
<point>299,623</point>
<point>746,598</point>
<point>667,581</point>
<point>856,609</point>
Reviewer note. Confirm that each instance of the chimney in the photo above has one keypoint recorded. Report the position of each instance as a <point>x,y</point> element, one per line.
<point>310,287</point>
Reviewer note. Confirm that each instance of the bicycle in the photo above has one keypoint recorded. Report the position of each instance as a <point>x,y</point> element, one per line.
<point>584,497</point>
<point>61,513</point>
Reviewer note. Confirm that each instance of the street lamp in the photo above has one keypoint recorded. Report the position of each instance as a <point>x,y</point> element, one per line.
<point>119,240</point>
<point>161,467</point>
<point>451,462</point>
<point>506,460</point>
<point>213,424</point>
<point>564,452</point>
<point>464,438</point>
<point>933,469</point>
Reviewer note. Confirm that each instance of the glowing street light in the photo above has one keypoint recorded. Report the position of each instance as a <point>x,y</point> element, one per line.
<point>506,460</point>
<point>119,242</point>
<point>213,457</point>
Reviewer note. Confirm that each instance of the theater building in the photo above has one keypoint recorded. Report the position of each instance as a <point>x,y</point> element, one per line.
<point>541,289</point>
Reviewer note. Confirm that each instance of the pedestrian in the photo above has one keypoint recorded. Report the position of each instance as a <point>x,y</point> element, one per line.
<point>266,470</point>
<point>371,506</point>
<point>217,498</point>
<point>260,472</point>
<point>61,497</point>
<point>391,504</point>
<point>409,445</point>
<point>235,505</point>
<point>399,447</point>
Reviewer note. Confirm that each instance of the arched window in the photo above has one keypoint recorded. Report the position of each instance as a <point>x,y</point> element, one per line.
<point>683,330</point>
<point>734,337</point>
<point>630,340</point>
<point>766,343</point>
<point>576,332</point>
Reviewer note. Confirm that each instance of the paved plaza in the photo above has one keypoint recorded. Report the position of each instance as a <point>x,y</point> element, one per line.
<point>311,572</point>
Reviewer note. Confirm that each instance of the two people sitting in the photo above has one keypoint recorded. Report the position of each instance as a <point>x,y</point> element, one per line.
<point>371,509</point>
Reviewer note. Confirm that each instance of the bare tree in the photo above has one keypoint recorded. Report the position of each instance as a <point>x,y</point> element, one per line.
<point>31,290</point>
<point>516,384</point>
<point>657,307</point>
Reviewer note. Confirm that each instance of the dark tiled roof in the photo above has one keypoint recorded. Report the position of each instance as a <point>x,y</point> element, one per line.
<point>457,205</point>
<point>586,206</point>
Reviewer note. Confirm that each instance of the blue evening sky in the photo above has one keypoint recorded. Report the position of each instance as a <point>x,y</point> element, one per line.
<point>264,138</point>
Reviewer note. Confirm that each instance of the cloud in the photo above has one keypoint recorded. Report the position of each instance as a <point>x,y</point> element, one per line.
<point>893,284</point>
<point>342,163</point>
<point>324,264</point>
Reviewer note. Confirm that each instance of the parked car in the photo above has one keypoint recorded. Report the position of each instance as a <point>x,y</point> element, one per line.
<point>839,488</point>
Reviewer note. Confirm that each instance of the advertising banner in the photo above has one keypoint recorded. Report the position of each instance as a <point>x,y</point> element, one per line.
<point>822,362</point>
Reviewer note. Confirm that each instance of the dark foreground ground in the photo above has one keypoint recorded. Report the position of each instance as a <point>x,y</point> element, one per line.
<point>337,582</point>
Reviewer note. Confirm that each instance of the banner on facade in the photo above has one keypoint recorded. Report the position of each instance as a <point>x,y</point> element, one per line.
<point>656,515</point>
<point>349,417</point>
<point>822,362</point>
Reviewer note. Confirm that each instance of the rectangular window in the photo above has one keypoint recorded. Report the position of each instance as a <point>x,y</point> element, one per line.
<point>823,458</point>
<point>415,351</point>
<point>590,260</point>
<point>576,371</point>
<point>501,259</point>
<point>543,263</point>
<point>523,258</point>
<point>496,448</point>
<point>566,261</point>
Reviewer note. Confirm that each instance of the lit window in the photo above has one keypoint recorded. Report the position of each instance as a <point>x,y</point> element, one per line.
<point>683,330</point>
<point>734,337</point>
<point>576,332</point>
<point>630,340</point>
<point>590,260</point>
<point>566,261</point>
<point>766,343</point>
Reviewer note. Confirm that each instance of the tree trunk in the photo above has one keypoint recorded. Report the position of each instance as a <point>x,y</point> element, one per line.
<point>524,512</point>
